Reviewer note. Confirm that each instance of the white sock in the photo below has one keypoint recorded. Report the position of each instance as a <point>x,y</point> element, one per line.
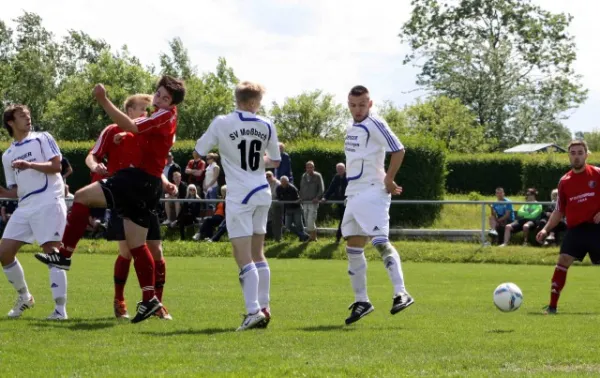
<point>249,281</point>
<point>58,285</point>
<point>357,270</point>
<point>264,283</point>
<point>16,276</point>
<point>393,265</point>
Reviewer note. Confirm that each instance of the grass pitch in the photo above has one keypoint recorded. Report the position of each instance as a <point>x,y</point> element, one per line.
<point>452,329</point>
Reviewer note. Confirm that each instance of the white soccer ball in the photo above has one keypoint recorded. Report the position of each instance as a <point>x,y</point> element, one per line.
<point>508,297</point>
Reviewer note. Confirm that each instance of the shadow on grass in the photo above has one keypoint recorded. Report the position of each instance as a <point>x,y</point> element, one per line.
<point>274,250</point>
<point>183,332</point>
<point>500,331</point>
<point>534,313</point>
<point>294,252</point>
<point>77,324</point>
<point>327,328</point>
<point>325,252</point>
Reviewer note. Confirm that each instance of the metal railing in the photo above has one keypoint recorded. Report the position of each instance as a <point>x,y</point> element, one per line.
<point>482,204</point>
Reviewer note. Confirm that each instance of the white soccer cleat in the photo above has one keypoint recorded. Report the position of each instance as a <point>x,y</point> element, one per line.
<point>252,321</point>
<point>20,306</point>
<point>57,315</point>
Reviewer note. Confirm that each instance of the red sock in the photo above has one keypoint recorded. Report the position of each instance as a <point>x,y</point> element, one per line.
<point>121,272</point>
<point>76,223</point>
<point>160,274</point>
<point>144,268</point>
<point>558,283</point>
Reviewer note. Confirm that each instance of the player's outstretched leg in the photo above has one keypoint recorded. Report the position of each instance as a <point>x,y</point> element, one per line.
<point>58,285</point>
<point>391,261</point>
<point>16,277</point>
<point>357,270</point>
<point>122,266</point>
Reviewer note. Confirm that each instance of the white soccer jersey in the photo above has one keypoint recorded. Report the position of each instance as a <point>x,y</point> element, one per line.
<point>242,139</point>
<point>34,188</point>
<point>366,145</point>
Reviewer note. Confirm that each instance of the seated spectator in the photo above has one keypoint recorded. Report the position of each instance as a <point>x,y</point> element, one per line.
<point>189,210</point>
<point>293,211</point>
<point>528,218</point>
<point>210,223</point>
<point>548,209</point>
<point>211,177</point>
<point>96,226</point>
<point>170,168</point>
<point>172,209</point>
<point>68,198</point>
<point>502,214</point>
<point>220,232</point>
<point>6,211</point>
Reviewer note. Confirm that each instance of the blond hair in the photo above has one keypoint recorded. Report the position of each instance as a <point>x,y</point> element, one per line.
<point>137,99</point>
<point>578,142</point>
<point>247,91</point>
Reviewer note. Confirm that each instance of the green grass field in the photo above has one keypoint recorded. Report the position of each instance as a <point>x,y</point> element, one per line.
<point>453,329</point>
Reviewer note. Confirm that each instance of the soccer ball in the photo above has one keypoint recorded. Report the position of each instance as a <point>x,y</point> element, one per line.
<point>508,297</point>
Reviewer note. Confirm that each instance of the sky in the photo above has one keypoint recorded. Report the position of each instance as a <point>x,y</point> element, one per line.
<point>292,46</point>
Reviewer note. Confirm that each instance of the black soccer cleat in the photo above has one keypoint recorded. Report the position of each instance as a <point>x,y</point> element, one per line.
<point>401,301</point>
<point>146,309</point>
<point>359,309</point>
<point>54,259</point>
<point>549,310</point>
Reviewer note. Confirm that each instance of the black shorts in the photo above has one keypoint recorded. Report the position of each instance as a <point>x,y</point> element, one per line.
<point>133,194</point>
<point>517,226</point>
<point>581,240</point>
<point>97,213</point>
<point>116,231</point>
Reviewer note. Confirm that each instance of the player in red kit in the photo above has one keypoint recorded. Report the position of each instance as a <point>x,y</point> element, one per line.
<point>578,201</point>
<point>134,192</point>
<point>122,151</point>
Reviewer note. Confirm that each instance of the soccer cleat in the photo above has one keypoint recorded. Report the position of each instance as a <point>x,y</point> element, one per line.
<point>146,309</point>
<point>163,314</point>
<point>549,310</point>
<point>20,306</point>
<point>54,259</point>
<point>267,313</point>
<point>251,321</point>
<point>120,309</point>
<point>401,301</point>
<point>359,309</point>
<point>57,315</point>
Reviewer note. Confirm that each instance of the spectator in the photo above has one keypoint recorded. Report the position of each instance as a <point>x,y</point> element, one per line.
<point>548,209</point>
<point>502,214</point>
<point>527,218</point>
<point>211,177</point>
<point>170,168</point>
<point>210,223</point>
<point>189,210</point>
<point>274,220</point>
<point>68,198</point>
<point>285,166</point>
<point>293,211</point>
<point>6,211</point>
<point>195,171</point>
<point>311,190</point>
<point>172,209</point>
<point>337,192</point>
<point>65,168</point>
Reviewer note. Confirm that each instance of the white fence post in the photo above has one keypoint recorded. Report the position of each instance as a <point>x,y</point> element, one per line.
<point>483,224</point>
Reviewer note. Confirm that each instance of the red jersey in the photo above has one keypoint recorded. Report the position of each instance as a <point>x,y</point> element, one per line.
<point>196,180</point>
<point>579,196</point>
<point>123,155</point>
<point>156,135</point>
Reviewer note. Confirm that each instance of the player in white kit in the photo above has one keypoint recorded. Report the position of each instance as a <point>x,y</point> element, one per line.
<point>243,138</point>
<point>369,193</point>
<point>32,170</point>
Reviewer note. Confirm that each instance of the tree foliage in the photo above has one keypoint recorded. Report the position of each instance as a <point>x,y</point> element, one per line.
<point>309,115</point>
<point>509,61</point>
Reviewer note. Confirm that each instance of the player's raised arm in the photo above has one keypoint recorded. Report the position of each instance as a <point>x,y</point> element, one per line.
<point>115,114</point>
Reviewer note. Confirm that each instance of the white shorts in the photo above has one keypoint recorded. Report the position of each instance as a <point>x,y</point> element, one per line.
<point>45,223</point>
<point>246,219</point>
<point>367,214</point>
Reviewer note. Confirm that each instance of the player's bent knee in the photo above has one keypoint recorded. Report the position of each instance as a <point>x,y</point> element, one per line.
<point>383,246</point>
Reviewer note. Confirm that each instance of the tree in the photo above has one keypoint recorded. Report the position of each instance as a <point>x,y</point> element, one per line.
<point>178,63</point>
<point>395,117</point>
<point>592,139</point>
<point>449,121</point>
<point>79,49</point>
<point>309,115</point>
<point>74,115</point>
<point>509,61</point>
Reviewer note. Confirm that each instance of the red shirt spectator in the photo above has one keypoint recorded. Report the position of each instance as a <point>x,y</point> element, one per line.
<point>193,169</point>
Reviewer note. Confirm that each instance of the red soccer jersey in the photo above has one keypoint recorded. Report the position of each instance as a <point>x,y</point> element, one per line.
<point>156,135</point>
<point>123,155</point>
<point>579,196</point>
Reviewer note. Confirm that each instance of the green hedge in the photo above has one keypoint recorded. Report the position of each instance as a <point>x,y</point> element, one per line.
<point>422,174</point>
<point>484,172</point>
